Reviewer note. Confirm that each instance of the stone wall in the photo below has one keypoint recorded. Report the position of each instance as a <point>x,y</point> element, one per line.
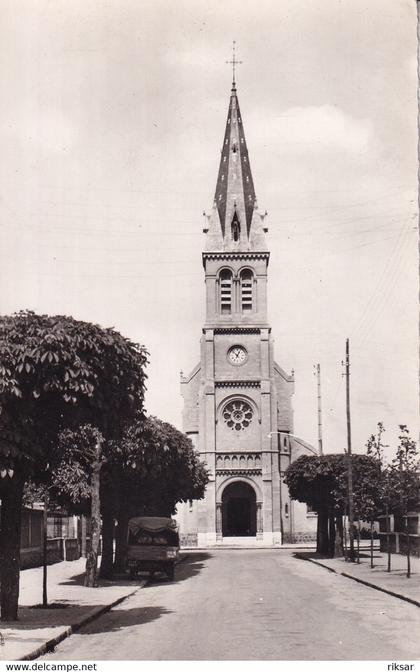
<point>299,537</point>
<point>188,540</point>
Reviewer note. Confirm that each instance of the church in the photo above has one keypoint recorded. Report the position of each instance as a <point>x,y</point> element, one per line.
<point>238,400</point>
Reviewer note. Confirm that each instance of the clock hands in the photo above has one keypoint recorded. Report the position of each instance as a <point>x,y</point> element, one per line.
<point>237,355</point>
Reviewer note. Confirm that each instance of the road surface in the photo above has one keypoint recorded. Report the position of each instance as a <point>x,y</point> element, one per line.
<point>251,605</point>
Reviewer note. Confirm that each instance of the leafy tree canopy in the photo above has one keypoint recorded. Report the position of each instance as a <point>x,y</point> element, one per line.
<point>404,475</point>
<point>156,466</point>
<point>56,371</point>
<point>321,480</point>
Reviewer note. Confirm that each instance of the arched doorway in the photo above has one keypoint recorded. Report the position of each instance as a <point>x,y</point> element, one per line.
<point>239,510</point>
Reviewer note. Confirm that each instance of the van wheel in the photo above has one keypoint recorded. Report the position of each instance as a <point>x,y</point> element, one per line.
<point>170,573</point>
<point>132,573</point>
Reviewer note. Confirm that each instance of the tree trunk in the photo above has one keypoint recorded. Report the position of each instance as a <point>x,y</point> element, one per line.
<point>388,541</point>
<point>121,542</point>
<point>371,544</point>
<point>83,550</point>
<point>331,535</point>
<point>346,550</point>
<point>10,524</point>
<point>91,578</point>
<point>107,540</point>
<point>44,553</point>
<point>322,543</point>
<point>407,534</point>
<point>338,537</point>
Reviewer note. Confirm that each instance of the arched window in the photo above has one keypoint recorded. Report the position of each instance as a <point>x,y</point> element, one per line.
<point>247,279</point>
<point>226,292</point>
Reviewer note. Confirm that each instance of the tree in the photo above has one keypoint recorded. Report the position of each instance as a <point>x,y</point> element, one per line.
<point>34,494</point>
<point>77,480</point>
<point>73,484</point>
<point>55,372</point>
<point>405,483</point>
<point>321,482</point>
<point>367,497</point>
<point>375,495</point>
<point>154,467</point>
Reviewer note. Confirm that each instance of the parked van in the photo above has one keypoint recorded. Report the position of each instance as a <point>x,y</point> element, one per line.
<point>153,546</point>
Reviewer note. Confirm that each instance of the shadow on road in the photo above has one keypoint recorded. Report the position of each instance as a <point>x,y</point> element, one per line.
<point>117,580</point>
<point>189,566</point>
<point>32,619</point>
<point>117,619</point>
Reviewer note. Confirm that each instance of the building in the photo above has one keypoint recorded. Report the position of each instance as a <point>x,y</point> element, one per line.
<point>237,400</point>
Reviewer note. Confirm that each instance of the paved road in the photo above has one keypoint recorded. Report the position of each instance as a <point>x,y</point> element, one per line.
<point>251,605</point>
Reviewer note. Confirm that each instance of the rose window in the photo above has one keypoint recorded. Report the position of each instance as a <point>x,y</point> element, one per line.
<point>237,414</point>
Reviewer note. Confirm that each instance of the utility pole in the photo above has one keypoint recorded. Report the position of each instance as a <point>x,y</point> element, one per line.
<point>318,376</point>
<point>349,459</point>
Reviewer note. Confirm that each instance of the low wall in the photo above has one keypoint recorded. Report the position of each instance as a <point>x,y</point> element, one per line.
<point>299,537</point>
<point>70,549</point>
<point>187,540</point>
<point>57,550</point>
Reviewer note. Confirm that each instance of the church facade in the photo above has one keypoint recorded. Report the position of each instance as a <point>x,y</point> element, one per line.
<point>238,400</point>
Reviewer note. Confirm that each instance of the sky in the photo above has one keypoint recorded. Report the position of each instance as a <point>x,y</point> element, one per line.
<point>111,123</point>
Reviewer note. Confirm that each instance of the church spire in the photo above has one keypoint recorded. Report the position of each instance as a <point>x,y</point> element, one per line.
<point>235,191</point>
<point>235,224</point>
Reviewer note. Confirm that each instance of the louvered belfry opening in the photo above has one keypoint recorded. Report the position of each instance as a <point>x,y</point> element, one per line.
<point>247,279</point>
<point>226,292</point>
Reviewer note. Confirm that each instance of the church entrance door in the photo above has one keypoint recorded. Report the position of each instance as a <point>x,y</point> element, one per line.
<point>239,511</point>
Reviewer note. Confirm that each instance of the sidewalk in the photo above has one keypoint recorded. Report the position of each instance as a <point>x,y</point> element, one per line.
<point>39,629</point>
<point>251,546</point>
<point>394,583</point>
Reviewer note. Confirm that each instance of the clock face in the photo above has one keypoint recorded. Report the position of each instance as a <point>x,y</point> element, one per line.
<point>237,355</point>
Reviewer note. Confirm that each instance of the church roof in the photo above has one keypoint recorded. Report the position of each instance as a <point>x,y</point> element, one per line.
<point>235,224</point>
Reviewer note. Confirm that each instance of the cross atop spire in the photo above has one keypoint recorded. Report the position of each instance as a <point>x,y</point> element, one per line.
<point>234,62</point>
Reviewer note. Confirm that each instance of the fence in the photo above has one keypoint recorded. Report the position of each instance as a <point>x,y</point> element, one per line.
<point>57,550</point>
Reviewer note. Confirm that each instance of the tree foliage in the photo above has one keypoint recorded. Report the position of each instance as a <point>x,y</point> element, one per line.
<point>321,480</point>
<point>156,467</point>
<point>71,478</point>
<point>405,475</point>
<point>56,371</point>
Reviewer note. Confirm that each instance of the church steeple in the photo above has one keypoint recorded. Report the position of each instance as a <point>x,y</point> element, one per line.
<point>235,223</point>
<point>237,400</point>
<point>235,191</point>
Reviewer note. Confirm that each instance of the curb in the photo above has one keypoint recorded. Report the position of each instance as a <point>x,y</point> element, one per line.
<point>95,613</point>
<point>383,590</point>
<point>362,581</point>
<point>245,548</point>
